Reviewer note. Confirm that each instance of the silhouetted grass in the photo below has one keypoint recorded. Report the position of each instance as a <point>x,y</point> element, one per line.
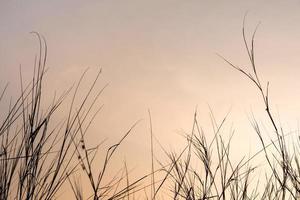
<point>37,159</point>
<point>217,177</point>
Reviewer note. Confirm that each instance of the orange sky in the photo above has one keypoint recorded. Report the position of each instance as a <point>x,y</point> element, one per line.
<point>159,55</point>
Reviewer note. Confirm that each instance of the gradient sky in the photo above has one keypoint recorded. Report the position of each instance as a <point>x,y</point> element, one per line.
<point>160,55</point>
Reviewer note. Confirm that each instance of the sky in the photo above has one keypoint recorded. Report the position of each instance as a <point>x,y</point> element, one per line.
<point>160,55</point>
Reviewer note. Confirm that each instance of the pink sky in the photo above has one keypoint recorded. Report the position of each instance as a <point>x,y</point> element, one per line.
<point>159,55</point>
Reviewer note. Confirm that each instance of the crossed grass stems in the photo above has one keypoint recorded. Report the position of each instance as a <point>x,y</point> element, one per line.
<point>37,159</point>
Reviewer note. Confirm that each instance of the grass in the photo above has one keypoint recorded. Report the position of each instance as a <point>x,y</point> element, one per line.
<point>38,157</point>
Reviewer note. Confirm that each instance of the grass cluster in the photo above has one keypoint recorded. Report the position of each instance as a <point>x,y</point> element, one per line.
<point>38,157</point>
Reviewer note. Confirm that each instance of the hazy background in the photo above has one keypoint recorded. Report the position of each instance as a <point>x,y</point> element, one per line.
<point>159,55</point>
